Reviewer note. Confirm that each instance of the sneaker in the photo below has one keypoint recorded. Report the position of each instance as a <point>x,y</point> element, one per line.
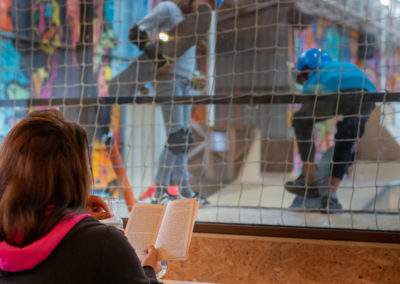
<point>164,199</point>
<point>299,187</point>
<point>202,200</point>
<point>330,203</point>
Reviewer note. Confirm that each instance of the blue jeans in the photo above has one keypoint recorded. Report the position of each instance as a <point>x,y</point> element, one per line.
<point>174,166</point>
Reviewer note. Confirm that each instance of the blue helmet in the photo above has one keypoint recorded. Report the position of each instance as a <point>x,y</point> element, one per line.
<point>314,59</point>
<point>219,3</point>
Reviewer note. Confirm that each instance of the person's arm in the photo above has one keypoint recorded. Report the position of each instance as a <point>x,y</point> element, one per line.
<point>120,264</point>
<point>156,17</point>
<point>141,33</point>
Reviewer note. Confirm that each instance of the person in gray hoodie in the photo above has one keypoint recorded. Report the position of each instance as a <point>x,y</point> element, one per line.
<point>172,80</point>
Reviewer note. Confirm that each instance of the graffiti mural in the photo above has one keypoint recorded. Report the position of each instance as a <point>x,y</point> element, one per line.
<point>14,84</point>
<point>38,49</point>
<point>5,18</point>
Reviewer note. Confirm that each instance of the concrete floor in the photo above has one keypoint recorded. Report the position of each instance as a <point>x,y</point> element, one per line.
<point>355,191</point>
<point>287,217</point>
<point>368,202</point>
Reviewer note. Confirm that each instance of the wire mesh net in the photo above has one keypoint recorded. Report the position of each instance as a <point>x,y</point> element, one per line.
<point>182,101</point>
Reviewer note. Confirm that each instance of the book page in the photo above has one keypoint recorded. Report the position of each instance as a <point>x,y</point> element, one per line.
<point>143,225</point>
<point>176,229</point>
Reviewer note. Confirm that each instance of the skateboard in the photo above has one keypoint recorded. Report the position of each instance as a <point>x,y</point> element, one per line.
<point>180,38</point>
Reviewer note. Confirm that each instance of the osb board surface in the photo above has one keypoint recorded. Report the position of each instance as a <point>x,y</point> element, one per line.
<point>263,260</point>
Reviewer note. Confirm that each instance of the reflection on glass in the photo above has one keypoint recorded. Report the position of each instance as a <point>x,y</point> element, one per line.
<point>115,220</point>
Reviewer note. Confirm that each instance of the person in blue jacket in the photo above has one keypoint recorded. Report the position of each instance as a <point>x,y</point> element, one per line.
<point>320,75</point>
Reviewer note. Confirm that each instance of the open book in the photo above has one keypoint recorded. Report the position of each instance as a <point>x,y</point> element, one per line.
<point>169,228</point>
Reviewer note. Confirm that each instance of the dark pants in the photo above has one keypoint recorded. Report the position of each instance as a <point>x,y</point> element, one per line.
<point>349,130</point>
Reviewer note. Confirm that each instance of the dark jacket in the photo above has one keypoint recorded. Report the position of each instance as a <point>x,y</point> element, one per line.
<point>90,252</point>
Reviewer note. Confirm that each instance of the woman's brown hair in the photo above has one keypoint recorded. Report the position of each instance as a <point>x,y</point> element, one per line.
<point>44,176</point>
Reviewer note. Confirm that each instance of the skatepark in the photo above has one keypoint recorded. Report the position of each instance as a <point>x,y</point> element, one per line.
<point>279,119</point>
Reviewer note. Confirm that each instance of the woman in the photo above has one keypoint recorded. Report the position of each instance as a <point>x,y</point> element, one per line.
<point>46,235</point>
